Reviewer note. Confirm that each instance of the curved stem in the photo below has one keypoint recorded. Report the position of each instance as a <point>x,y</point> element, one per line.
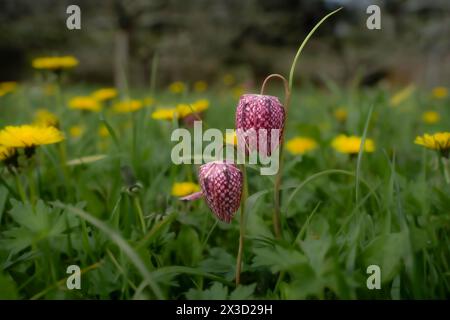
<point>285,84</point>
<point>300,49</point>
<point>276,218</point>
<point>242,226</point>
<point>288,91</point>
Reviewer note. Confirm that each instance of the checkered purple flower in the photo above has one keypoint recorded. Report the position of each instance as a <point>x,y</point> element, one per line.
<point>256,111</point>
<point>221,184</point>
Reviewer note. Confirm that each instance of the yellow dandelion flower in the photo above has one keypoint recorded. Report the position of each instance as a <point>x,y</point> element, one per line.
<point>228,79</point>
<point>7,87</point>
<point>85,103</point>
<point>148,101</point>
<point>67,62</point>
<point>43,117</point>
<point>127,106</point>
<point>177,87</point>
<point>164,114</point>
<point>200,105</point>
<point>439,92</point>
<point>350,144</point>
<point>231,138</point>
<point>431,117</point>
<point>200,86</point>
<point>103,131</point>
<point>6,153</point>
<point>341,114</point>
<point>300,145</point>
<point>76,131</point>
<point>55,63</point>
<point>181,189</point>
<point>45,63</point>
<point>402,95</point>
<point>439,141</point>
<point>29,136</point>
<point>184,110</point>
<point>105,94</point>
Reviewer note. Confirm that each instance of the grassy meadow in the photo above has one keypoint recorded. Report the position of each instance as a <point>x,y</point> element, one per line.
<point>105,198</point>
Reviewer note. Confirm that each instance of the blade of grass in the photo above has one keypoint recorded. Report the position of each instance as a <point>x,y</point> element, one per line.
<point>110,130</point>
<point>164,271</point>
<point>147,239</point>
<point>305,225</point>
<point>63,280</point>
<point>121,243</point>
<point>360,153</point>
<point>300,49</point>
<point>154,72</point>
<point>318,175</point>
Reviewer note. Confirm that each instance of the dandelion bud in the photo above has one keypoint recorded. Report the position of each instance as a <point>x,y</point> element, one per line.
<point>256,111</point>
<point>221,184</point>
<point>132,187</point>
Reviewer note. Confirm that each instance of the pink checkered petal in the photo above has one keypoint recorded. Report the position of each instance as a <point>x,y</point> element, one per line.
<point>256,111</point>
<point>221,184</point>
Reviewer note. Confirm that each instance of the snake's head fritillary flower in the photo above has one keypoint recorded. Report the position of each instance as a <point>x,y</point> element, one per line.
<point>256,111</point>
<point>221,185</point>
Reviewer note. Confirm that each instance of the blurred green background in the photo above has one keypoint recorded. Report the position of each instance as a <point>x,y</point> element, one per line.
<point>203,39</point>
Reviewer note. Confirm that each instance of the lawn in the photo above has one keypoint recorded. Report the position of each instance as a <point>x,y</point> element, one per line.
<point>105,199</point>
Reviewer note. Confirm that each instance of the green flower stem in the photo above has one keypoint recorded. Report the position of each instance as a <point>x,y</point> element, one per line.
<point>242,226</point>
<point>62,145</point>
<point>63,158</point>
<point>277,192</point>
<point>288,90</point>
<point>85,240</point>
<point>137,204</point>
<point>153,73</point>
<point>20,188</point>
<point>300,49</point>
<point>445,162</point>
<point>31,186</point>
<point>134,124</point>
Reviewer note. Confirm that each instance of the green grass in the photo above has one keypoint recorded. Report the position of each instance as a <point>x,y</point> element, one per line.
<point>340,214</point>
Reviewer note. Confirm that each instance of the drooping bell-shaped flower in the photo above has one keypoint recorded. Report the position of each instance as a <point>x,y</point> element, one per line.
<point>257,111</point>
<point>221,184</point>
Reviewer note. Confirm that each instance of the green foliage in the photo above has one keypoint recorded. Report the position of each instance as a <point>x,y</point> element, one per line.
<point>399,220</point>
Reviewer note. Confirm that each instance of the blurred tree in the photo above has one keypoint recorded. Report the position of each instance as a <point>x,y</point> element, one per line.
<point>203,39</point>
